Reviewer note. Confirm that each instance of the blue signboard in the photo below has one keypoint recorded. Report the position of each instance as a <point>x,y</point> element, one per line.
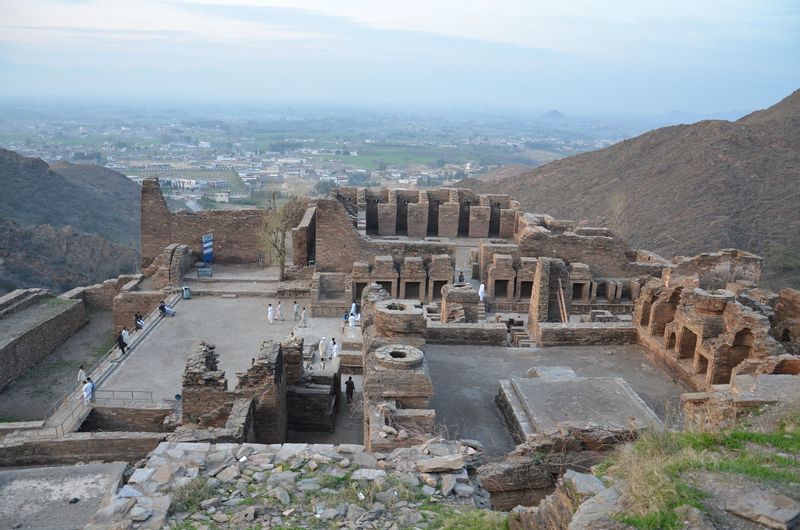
<point>208,248</point>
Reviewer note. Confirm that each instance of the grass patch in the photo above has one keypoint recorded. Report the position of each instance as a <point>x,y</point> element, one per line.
<point>9,419</point>
<point>106,345</point>
<point>652,467</point>
<point>334,482</point>
<point>187,498</point>
<point>448,518</point>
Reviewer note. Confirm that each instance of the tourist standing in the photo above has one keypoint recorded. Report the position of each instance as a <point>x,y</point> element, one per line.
<point>350,388</point>
<point>270,313</point>
<point>280,310</point>
<point>352,320</point>
<point>304,318</point>
<point>322,348</point>
<point>121,343</point>
<point>93,387</point>
<point>81,376</point>
<point>87,393</point>
<point>295,311</point>
<point>333,349</point>
<point>481,291</point>
<point>126,336</point>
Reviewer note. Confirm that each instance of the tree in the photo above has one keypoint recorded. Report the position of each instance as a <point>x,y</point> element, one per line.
<point>278,221</point>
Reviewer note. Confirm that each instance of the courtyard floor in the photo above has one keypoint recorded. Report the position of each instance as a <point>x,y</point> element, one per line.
<point>465,381</point>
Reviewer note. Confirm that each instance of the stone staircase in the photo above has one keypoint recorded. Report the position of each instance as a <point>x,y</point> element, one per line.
<point>514,411</point>
<point>482,311</point>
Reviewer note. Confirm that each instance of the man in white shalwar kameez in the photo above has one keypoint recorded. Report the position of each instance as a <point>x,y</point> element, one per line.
<point>482,292</point>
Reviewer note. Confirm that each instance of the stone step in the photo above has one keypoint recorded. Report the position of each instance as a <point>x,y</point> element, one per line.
<point>521,415</point>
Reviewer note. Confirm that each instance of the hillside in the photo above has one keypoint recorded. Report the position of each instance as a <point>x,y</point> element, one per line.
<point>64,225</point>
<point>91,199</point>
<point>685,189</point>
<point>58,258</point>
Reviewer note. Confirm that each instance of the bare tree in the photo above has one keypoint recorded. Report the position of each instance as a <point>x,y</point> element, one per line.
<point>278,221</point>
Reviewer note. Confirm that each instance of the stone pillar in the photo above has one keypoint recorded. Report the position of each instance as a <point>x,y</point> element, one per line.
<point>448,219</point>
<point>387,219</point>
<point>417,219</point>
<point>508,220</point>
<point>479,221</point>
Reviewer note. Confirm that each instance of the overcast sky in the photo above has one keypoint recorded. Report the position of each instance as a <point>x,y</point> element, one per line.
<point>597,56</point>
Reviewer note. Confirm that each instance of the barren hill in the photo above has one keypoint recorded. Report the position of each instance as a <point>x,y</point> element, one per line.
<point>85,223</point>
<point>685,189</point>
<point>58,258</point>
<point>92,199</point>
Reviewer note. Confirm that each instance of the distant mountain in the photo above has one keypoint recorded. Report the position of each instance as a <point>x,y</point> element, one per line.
<point>92,199</point>
<point>64,225</point>
<point>58,258</point>
<point>685,189</point>
<point>553,115</point>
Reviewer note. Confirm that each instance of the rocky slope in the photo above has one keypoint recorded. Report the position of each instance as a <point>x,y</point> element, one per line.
<point>685,189</point>
<point>202,485</point>
<point>64,225</point>
<point>57,258</point>
<point>91,199</point>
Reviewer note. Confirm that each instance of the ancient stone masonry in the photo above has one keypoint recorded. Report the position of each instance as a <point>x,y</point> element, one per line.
<point>460,303</point>
<point>32,325</point>
<point>413,279</point>
<point>265,383</point>
<point>440,273</point>
<point>700,332</point>
<point>205,396</point>
<point>236,232</point>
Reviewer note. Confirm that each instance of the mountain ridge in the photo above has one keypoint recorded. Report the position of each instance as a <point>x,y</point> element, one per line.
<point>685,189</point>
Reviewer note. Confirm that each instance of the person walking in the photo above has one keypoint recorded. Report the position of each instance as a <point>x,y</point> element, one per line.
<point>270,313</point>
<point>322,348</point>
<point>87,392</point>
<point>121,343</point>
<point>352,320</point>
<point>333,349</point>
<point>349,389</point>
<point>126,336</point>
<point>295,311</point>
<point>481,291</point>
<point>280,310</point>
<point>81,376</point>
<point>304,318</point>
<point>94,387</point>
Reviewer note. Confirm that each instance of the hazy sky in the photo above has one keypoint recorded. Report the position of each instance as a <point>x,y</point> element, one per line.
<point>574,55</point>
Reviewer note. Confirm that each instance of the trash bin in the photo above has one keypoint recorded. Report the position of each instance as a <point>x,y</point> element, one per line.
<point>187,293</point>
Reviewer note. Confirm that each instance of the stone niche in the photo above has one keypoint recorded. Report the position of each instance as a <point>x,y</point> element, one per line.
<point>398,372</point>
<point>440,273</point>
<point>501,278</point>
<point>382,272</point>
<point>413,279</point>
<point>460,303</point>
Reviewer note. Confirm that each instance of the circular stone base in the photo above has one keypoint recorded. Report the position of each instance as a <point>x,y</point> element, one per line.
<point>399,357</point>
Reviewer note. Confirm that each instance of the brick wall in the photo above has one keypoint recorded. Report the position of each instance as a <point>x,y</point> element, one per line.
<point>125,419</point>
<point>80,447</point>
<point>585,333</point>
<point>101,295</point>
<point>31,346</point>
<point>417,219</point>
<point>238,234</point>
<point>128,304</point>
<point>338,243</point>
<point>479,217</point>
<point>466,333</point>
<point>448,219</point>
<point>303,238</point>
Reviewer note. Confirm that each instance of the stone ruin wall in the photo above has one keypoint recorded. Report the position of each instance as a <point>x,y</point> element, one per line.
<point>27,347</point>
<point>236,233</point>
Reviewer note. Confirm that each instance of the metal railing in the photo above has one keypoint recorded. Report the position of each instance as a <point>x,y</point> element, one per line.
<point>96,371</point>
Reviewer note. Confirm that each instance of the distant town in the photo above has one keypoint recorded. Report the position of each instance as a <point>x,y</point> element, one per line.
<point>240,160</point>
